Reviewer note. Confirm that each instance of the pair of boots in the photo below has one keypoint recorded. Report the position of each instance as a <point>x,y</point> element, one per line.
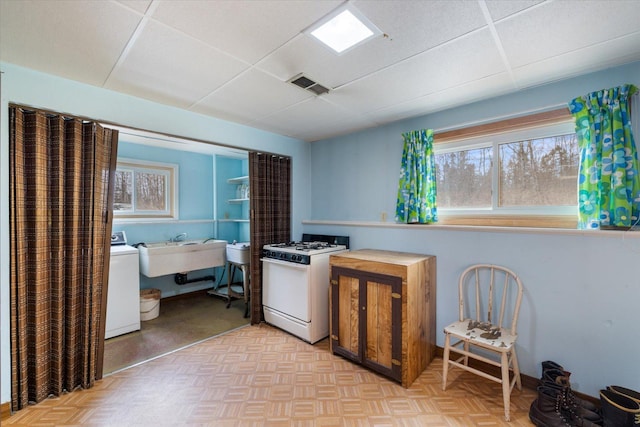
<point>620,407</point>
<point>556,404</point>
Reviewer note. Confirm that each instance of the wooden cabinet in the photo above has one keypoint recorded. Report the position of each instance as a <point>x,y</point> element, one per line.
<point>382,311</point>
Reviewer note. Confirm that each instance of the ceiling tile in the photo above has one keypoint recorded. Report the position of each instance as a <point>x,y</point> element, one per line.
<point>623,50</point>
<point>567,26</point>
<point>139,5</point>
<point>495,85</point>
<point>76,40</point>
<point>500,9</point>
<point>312,115</point>
<point>169,67</point>
<point>470,58</point>
<point>250,96</point>
<point>419,25</point>
<point>248,30</point>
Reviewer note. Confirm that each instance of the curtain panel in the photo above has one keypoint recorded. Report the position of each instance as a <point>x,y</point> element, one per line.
<point>416,201</point>
<point>60,175</point>
<point>608,181</point>
<point>270,215</point>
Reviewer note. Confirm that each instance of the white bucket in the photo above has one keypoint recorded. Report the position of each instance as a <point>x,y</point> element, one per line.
<point>149,304</point>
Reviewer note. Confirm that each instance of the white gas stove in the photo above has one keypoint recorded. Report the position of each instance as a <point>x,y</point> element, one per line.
<point>295,281</point>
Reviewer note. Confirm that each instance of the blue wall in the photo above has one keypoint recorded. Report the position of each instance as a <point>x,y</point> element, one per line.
<point>582,289</point>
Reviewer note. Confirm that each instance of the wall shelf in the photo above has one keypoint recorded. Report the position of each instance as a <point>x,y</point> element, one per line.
<point>238,180</point>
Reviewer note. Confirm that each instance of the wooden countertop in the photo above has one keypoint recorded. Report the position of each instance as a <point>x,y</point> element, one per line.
<point>390,257</point>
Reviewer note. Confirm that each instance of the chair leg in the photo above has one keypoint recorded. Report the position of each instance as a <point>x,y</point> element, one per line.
<point>516,368</point>
<point>466,348</point>
<point>445,360</point>
<point>506,385</point>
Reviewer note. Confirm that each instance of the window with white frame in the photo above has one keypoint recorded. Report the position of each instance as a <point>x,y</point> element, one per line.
<point>145,190</point>
<point>529,169</point>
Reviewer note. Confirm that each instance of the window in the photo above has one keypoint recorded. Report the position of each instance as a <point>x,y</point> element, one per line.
<point>145,190</point>
<point>517,172</point>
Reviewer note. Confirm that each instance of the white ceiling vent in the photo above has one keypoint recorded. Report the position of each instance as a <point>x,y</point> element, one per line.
<point>306,83</point>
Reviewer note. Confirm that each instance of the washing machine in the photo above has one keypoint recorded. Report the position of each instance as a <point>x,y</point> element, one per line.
<point>123,295</point>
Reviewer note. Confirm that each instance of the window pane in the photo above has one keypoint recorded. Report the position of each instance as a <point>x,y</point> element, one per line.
<point>150,192</point>
<point>123,190</point>
<point>464,178</point>
<point>539,172</point>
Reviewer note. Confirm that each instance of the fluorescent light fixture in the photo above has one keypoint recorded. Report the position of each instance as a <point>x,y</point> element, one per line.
<point>344,29</point>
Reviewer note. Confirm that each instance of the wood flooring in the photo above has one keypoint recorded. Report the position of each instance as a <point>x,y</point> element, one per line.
<point>261,376</point>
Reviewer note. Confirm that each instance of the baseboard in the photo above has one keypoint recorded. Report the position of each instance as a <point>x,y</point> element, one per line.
<point>5,410</point>
<point>529,382</point>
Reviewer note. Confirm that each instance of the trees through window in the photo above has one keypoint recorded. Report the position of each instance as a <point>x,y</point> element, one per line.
<point>143,190</point>
<point>509,169</point>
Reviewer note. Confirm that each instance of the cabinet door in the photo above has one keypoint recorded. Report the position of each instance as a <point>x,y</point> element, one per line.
<point>367,319</point>
<point>382,316</point>
<point>345,313</point>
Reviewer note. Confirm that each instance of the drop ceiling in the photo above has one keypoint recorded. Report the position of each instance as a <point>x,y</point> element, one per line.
<point>234,59</point>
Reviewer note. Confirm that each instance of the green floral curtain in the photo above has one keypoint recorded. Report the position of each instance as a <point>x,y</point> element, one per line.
<point>417,188</point>
<point>608,182</point>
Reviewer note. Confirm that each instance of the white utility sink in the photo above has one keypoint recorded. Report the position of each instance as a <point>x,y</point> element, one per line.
<point>162,258</point>
<point>238,252</point>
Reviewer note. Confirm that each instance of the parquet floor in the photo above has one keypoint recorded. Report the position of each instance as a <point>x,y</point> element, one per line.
<point>261,376</point>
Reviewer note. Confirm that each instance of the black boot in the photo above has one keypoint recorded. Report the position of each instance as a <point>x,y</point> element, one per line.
<point>619,410</point>
<point>550,364</point>
<point>625,391</point>
<point>571,403</point>
<point>556,376</point>
<point>548,410</point>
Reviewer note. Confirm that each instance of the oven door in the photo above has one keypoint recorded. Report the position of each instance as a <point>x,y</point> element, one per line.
<point>285,288</point>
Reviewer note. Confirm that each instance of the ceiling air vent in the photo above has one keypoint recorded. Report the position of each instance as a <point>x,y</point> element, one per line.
<point>306,83</point>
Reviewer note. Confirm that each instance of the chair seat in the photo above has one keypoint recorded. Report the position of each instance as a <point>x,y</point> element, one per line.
<point>461,331</point>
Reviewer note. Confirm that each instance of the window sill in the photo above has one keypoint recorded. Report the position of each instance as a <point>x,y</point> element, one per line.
<point>478,228</point>
<point>532,221</point>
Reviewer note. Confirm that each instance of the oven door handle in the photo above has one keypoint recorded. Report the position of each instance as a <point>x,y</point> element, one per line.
<point>285,263</point>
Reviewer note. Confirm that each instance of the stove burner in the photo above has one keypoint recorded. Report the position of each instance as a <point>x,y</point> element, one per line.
<point>304,246</point>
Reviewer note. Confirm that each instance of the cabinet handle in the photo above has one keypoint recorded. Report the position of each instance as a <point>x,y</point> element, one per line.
<point>364,308</point>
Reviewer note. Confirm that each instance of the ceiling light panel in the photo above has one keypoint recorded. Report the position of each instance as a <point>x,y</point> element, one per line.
<point>343,29</point>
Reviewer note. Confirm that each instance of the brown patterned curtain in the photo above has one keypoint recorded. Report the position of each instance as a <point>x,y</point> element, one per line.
<point>270,221</point>
<point>60,174</point>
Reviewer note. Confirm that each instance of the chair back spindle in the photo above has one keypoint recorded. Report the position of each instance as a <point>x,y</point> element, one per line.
<point>494,287</point>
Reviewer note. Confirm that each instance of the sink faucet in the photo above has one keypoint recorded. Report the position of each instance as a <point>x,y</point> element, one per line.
<point>179,238</point>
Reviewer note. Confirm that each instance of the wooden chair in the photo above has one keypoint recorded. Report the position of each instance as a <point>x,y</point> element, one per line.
<point>489,300</point>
